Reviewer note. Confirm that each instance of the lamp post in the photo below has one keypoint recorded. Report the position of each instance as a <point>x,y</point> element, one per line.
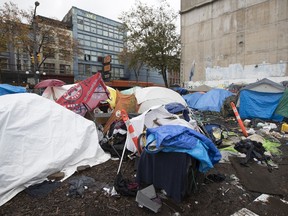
<point>34,26</point>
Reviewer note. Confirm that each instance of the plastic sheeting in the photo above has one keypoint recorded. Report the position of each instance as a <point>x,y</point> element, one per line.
<point>39,137</point>
<point>212,100</point>
<point>10,89</point>
<point>171,138</point>
<point>153,96</point>
<point>261,105</point>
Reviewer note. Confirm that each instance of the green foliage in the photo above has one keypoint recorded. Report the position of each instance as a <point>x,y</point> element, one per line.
<point>151,37</point>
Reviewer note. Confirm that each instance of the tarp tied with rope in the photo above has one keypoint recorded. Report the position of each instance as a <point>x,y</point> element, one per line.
<point>85,95</point>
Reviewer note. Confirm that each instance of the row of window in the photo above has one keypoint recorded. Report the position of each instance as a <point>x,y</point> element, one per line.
<point>88,70</point>
<point>95,19</point>
<point>98,31</point>
<point>100,40</point>
<point>97,57</point>
<point>100,46</point>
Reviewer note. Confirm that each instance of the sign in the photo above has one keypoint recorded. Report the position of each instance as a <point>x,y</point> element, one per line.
<point>107,59</point>
<point>107,68</point>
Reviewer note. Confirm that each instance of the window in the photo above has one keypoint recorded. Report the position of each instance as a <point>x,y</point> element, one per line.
<point>99,31</point>
<point>80,26</point>
<point>3,63</point>
<point>65,69</point>
<point>105,47</point>
<point>87,69</point>
<point>86,28</point>
<point>87,57</point>
<point>105,33</point>
<point>93,58</point>
<point>49,68</point>
<point>81,69</point>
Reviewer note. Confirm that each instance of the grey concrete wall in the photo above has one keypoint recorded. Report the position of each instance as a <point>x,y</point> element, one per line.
<point>226,39</point>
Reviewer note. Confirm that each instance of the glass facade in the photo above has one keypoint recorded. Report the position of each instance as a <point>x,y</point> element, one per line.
<point>98,37</point>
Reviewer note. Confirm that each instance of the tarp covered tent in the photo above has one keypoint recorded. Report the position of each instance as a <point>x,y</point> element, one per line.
<point>191,99</point>
<point>152,96</point>
<point>10,89</point>
<point>40,138</point>
<point>282,108</point>
<point>212,100</point>
<point>260,100</point>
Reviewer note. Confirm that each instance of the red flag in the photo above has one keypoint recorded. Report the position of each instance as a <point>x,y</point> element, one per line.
<point>85,95</point>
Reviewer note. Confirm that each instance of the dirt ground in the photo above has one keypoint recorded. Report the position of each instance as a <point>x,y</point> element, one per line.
<point>212,197</point>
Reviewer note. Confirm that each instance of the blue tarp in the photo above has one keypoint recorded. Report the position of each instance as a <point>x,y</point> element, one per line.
<point>10,89</point>
<point>261,105</point>
<point>191,99</point>
<point>171,138</point>
<point>210,101</point>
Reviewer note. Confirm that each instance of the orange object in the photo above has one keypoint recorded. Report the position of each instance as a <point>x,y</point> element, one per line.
<point>130,129</point>
<point>239,119</point>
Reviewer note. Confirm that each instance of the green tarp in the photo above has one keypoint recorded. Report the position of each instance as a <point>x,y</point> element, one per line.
<point>282,108</point>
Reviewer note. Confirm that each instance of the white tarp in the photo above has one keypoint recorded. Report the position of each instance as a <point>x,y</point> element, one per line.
<point>39,137</point>
<point>152,96</point>
<point>55,92</point>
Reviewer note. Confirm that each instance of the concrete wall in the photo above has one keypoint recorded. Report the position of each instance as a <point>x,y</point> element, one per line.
<point>228,40</point>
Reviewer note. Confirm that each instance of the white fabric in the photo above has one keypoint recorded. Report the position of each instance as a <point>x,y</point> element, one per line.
<point>152,96</point>
<point>150,118</point>
<point>39,137</point>
<point>53,93</point>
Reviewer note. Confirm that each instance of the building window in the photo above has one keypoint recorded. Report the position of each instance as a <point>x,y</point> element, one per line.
<point>65,69</point>
<point>87,57</point>
<point>81,69</point>
<point>87,69</point>
<point>49,68</point>
<point>3,63</point>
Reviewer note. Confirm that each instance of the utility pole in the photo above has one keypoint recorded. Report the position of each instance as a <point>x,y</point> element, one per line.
<point>34,26</point>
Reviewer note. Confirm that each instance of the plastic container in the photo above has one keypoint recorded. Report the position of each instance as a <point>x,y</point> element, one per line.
<point>284,128</point>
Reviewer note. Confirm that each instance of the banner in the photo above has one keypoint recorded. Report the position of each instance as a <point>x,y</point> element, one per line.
<point>85,95</point>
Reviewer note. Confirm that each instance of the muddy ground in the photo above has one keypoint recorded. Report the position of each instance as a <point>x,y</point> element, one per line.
<point>212,196</point>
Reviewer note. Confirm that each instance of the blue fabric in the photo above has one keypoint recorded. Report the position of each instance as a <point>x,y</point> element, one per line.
<point>175,108</point>
<point>171,138</point>
<point>261,105</point>
<point>212,100</point>
<point>10,89</point>
<point>191,99</point>
<point>180,90</point>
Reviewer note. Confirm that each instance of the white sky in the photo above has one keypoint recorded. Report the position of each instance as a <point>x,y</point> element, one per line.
<point>107,8</point>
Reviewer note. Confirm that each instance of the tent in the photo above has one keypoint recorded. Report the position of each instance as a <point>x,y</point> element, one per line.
<point>212,100</point>
<point>191,99</point>
<point>152,96</point>
<point>10,89</point>
<point>260,100</point>
<point>130,90</point>
<point>282,108</point>
<point>201,88</point>
<point>40,138</point>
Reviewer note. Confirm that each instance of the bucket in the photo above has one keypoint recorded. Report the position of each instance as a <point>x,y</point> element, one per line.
<point>284,128</point>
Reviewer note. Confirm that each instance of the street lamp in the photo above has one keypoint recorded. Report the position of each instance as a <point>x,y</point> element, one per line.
<point>34,26</point>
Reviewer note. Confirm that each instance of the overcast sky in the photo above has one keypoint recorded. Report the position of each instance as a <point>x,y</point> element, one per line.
<point>107,8</point>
